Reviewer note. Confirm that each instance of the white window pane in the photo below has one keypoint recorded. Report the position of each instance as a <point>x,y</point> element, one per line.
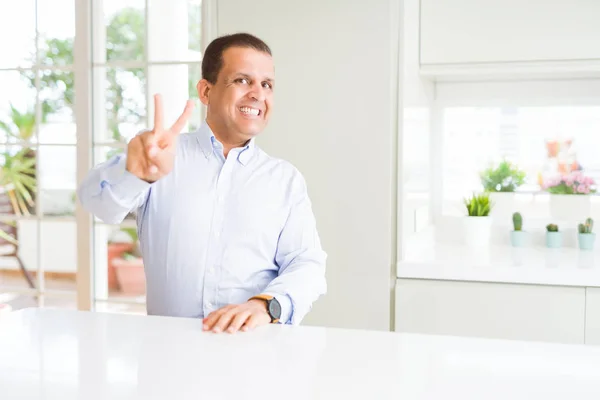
<point>174,30</point>
<point>17,30</point>
<point>57,179</point>
<point>542,141</point>
<point>119,103</point>
<point>17,106</point>
<point>176,84</point>
<point>56,30</point>
<point>119,31</point>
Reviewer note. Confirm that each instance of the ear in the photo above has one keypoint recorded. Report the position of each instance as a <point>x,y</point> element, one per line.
<point>203,87</point>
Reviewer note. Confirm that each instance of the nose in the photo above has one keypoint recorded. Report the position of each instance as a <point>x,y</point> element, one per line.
<point>257,92</point>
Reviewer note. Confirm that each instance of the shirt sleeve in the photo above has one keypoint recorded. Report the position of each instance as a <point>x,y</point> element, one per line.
<point>110,192</point>
<point>301,260</point>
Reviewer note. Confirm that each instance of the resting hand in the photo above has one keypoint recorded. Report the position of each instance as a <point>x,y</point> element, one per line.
<point>235,317</point>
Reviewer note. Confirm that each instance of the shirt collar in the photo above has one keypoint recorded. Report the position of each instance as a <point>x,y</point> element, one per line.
<point>209,143</point>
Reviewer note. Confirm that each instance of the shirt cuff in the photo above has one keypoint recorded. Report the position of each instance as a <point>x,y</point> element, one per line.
<point>286,307</point>
<point>123,183</point>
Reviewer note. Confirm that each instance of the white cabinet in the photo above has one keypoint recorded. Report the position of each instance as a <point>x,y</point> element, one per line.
<point>492,310</point>
<point>501,31</point>
<point>592,316</point>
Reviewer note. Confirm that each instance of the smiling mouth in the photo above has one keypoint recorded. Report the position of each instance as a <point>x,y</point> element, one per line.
<point>250,111</point>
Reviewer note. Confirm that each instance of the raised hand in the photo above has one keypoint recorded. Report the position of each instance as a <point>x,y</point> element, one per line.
<point>150,155</point>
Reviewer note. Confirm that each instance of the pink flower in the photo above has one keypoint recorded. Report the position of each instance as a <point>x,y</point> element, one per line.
<point>581,189</point>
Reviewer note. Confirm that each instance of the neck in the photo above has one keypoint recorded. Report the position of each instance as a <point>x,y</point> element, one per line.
<point>227,139</point>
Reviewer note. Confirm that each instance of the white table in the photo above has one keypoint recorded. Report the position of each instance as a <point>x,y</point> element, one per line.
<point>59,354</point>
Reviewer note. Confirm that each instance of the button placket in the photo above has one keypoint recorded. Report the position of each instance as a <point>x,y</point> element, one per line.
<point>211,281</point>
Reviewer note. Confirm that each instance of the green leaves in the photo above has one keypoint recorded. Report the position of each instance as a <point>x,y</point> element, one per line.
<point>506,177</point>
<point>17,178</point>
<point>478,205</point>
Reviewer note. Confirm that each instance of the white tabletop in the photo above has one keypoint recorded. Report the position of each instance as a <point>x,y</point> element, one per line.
<point>505,264</point>
<point>56,354</point>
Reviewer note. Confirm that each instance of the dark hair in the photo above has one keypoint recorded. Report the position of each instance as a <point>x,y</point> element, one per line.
<point>212,62</point>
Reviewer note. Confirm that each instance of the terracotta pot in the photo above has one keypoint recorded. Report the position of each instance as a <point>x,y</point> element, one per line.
<point>131,276</point>
<point>115,250</point>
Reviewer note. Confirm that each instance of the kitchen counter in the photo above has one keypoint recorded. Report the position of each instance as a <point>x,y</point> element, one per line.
<point>500,264</point>
<point>60,354</point>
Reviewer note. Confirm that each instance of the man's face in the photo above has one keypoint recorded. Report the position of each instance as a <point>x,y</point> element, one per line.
<point>240,101</point>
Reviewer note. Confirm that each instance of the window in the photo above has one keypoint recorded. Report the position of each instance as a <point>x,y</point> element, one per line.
<point>138,47</point>
<point>540,140</point>
<point>544,127</point>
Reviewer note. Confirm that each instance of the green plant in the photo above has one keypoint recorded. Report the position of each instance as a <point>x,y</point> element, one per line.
<point>552,228</point>
<point>517,221</point>
<point>587,227</point>
<point>135,251</point>
<point>21,125</point>
<point>17,178</point>
<point>505,177</point>
<point>478,205</point>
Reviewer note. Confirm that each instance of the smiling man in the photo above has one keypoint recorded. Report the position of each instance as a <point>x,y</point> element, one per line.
<point>227,232</point>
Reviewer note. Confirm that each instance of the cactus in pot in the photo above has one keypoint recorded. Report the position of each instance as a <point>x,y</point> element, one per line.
<point>552,228</point>
<point>517,235</point>
<point>553,236</point>
<point>586,235</point>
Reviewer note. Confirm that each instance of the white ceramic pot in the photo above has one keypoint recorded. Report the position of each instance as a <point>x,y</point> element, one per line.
<point>503,207</point>
<point>477,231</point>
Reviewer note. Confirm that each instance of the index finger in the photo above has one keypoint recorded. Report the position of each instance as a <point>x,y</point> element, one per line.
<point>158,113</point>
<point>182,120</point>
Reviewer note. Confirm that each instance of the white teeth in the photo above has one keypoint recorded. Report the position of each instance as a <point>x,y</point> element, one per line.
<point>248,110</point>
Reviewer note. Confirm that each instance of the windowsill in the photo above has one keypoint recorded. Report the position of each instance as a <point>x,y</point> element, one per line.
<point>537,265</point>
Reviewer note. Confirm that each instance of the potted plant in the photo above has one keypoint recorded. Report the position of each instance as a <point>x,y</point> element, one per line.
<point>504,178</point>
<point>586,236</point>
<point>517,235</point>
<point>501,181</point>
<point>477,223</point>
<point>568,200</point>
<point>553,236</point>
<point>129,268</point>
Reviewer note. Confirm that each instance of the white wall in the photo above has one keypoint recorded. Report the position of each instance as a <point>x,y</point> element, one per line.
<point>336,106</point>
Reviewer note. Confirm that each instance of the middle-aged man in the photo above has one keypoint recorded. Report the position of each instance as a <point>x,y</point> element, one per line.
<point>227,232</point>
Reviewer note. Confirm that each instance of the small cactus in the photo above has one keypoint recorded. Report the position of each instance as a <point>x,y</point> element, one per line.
<point>590,224</point>
<point>552,228</point>
<point>586,227</point>
<point>517,221</point>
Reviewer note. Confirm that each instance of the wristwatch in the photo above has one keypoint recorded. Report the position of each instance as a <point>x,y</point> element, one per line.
<point>273,306</point>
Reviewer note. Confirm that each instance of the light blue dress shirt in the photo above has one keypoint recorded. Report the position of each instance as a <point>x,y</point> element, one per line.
<point>216,230</point>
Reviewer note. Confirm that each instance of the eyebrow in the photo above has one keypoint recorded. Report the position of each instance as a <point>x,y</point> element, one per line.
<point>244,75</point>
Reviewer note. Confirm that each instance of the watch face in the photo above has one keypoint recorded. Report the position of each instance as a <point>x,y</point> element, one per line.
<point>275,309</point>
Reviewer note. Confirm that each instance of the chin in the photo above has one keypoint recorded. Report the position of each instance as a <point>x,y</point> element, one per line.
<point>252,129</point>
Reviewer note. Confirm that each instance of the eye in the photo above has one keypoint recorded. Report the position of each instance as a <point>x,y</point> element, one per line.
<point>245,81</point>
<point>267,85</point>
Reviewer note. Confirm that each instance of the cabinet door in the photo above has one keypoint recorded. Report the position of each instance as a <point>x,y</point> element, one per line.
<point>497,31</point>
<point>504,311</point>
<point>592,316</point>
